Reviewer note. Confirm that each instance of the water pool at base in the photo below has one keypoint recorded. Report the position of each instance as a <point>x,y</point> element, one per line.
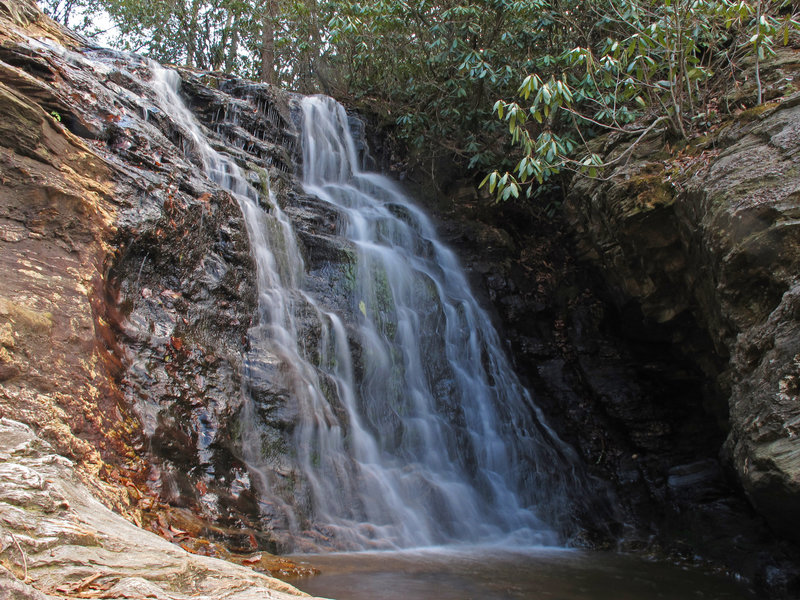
<point>489,574</point>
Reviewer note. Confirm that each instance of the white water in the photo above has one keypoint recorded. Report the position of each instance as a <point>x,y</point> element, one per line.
<point>445,438</point>
<point>408,425</point>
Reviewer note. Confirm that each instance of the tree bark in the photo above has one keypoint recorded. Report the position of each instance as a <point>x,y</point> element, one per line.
<point>191,40</point>
<point>268,42</point>
<point>318,67</point>
<point>67,12</point>
<point>233,49</point>
<point>221,55</point>
<point>758,50</point>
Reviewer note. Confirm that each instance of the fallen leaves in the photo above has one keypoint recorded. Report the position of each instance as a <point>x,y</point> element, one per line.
<point>252,560</point>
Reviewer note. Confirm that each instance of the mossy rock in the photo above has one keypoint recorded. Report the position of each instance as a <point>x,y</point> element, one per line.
<point>644,192</point>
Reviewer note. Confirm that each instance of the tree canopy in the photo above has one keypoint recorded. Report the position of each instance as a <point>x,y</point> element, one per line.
<point>479,80</point>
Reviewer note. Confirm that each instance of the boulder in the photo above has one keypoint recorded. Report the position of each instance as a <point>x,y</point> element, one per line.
<point>57,540</point>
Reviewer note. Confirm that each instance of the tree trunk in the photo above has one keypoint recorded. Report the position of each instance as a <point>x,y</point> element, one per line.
<point>220,55</point>
<point>67,12</point>
<point>758,52</point>
<point>311,53</point>
<point>233,48</point>
<point>268,42</point>
<point>318,66</point>
<point>191,34</point>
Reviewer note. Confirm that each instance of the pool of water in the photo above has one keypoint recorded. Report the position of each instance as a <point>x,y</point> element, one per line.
<point>489,574</point>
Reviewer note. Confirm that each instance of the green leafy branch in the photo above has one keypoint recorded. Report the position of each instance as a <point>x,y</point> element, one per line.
<point>652,72</point>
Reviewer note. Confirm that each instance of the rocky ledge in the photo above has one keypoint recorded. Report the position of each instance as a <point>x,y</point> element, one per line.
<point>59,541</point>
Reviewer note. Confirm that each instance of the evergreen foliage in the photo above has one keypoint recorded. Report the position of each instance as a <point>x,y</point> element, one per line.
<point>436,69</point>
<point>632,66</point>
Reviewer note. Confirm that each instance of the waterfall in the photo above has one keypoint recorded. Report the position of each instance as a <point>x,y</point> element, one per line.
<point>449,444</point>
<point>401,422</point>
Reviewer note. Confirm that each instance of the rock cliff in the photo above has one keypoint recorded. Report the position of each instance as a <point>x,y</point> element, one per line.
<point>116,254</point>
<point>654,322</point>
<point>711,239</point>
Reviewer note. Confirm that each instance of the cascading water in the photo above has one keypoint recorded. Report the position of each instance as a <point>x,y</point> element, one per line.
<point>446,441</point>
<point>407,425</point>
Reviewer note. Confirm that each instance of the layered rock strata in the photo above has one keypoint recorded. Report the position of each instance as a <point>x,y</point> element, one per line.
<point>115,253</point>
<point>712,240</point>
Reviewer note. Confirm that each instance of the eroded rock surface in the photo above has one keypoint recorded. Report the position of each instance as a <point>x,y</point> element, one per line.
<point>127,290</point>
<point>706,248</point>
<point>57,540</point>
<point>57,213</point>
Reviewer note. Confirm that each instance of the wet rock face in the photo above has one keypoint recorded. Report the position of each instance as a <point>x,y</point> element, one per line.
<point>663,346</point>
<point>185,308</point>
<point>58,364</point>
<point>609,381</point>
<point>184,284</point>
<point>126,291</point>
<point>124,317</point>
<point>707,246</point>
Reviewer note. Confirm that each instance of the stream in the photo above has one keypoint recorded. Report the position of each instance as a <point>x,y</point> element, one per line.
<point>499,574</point>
